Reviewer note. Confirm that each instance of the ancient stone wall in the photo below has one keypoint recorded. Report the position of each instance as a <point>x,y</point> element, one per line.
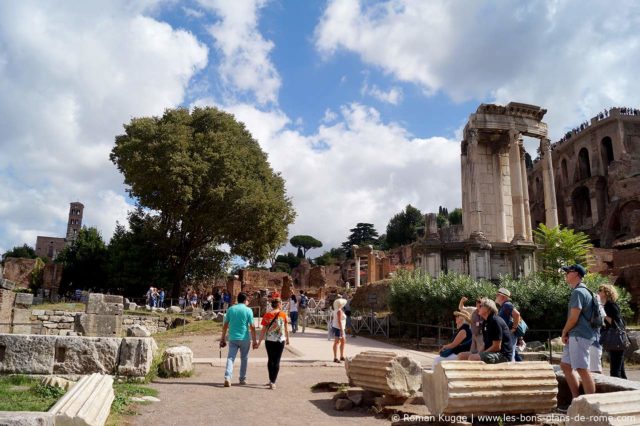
<point>50,322</point>
<point>376,294</point>
<point>73,356</point>
<point>597,179</point>
<point>262,279</point>
<point>7,298</point>
<point>19,270</point>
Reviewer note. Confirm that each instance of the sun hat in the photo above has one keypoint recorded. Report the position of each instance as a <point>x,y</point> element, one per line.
<point>464,314</point>
<point>506,293</point>
<point>339,304</point>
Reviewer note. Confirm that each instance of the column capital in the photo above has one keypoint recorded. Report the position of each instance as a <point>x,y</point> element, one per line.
<point>514,135</point>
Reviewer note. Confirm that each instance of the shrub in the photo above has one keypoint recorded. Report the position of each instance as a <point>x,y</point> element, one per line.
<point>417,297</point>
<point>542,299</point>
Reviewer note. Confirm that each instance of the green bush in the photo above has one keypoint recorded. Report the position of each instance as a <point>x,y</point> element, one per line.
<point>417,297</point>
<point>541,299</point>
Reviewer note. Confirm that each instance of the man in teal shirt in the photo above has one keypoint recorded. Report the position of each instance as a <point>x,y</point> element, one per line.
<point>238,321</point>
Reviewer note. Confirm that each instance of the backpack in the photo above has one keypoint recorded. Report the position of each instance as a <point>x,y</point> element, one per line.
<point>304,300</point>
<point>597,320</point>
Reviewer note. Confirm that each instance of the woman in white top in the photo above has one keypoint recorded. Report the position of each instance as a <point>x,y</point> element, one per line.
<point>338,325</point>
<point>293,312</point>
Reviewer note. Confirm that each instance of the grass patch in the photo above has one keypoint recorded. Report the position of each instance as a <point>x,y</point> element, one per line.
<point>194,328</point>
<point>122,405</point>
<point>68,307</point>
<point>21,393</point>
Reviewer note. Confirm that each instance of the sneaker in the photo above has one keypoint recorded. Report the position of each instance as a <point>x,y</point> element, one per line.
<point>341,358</point>
<point>272,385</point>
<point>227,383</point>
<point>242,382</point>
<point>336,360</point>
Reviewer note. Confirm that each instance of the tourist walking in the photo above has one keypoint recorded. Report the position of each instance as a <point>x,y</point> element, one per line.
<point>303,303</point>
<point>497,338</point>
<point>293,313</point>
<point>609,296</point>
<point>510,315</point>
<point>161,296</point>
<point>338,327</point>
<point>274,327</point>
<point>477,344</point>
<point>578,334</point>
<point>461,341</point>
<point>239,322</point>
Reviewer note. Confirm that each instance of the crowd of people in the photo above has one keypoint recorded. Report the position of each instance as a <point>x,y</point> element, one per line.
<point>492,331</point>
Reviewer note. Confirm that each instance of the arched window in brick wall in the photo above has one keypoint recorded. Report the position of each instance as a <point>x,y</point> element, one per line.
<point>581,207</point>
<point>584,166</point>
<point>606,151</point>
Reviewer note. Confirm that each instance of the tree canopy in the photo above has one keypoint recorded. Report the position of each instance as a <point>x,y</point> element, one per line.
<point>208,183</point>
<point>24,251</point>
<point>305,242</point>
<point>561,246</point>
<point>363,234</point>
<point>85,261</point>
<point>403,227</point>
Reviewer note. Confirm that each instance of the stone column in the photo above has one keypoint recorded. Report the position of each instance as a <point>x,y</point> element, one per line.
<point>550,206</point>
<point>475,204</point>
<point>515,147</point>
<point>357,258</point>
<point>473,387</point>
<point>525,196</point>
<point>611,408</point>
<point>385,372</point>
<point>498,183</point>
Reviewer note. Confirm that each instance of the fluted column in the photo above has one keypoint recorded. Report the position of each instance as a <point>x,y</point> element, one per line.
<point>474,182</point>
<point>516,186</point>
<point>525,196</point>
<point>550,206</point>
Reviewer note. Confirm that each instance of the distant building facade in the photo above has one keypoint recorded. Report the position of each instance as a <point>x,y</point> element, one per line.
<point>49,247</point>
<point>596,171</point>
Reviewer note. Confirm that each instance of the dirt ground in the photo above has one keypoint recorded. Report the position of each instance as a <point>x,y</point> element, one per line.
<point>203,400</point>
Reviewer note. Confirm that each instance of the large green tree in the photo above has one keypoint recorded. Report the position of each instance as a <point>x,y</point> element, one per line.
<point>363,234</point>
<point>403,227</point>
<point>209,183</point>
<point>305,242</point>
<point>85,262</point>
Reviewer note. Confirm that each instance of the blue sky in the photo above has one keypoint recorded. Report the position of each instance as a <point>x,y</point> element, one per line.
<point>359,104</point>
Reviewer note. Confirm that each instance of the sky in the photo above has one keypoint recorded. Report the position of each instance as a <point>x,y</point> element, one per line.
<point>360,105</point>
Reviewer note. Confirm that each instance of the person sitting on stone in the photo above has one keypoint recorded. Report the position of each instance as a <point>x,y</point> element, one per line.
<point>497,336</point>
<point>477,345</point>
<point>461,342</point>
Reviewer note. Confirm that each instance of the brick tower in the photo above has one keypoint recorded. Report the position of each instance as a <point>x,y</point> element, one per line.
<point>75,221</point>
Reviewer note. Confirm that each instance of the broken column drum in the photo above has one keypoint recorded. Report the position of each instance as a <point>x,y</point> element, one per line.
<point>470,387</point>
<point>613,408</point>
<point>385,372</point>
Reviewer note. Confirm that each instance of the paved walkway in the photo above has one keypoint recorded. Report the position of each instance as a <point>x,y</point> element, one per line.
<point>313,347</point>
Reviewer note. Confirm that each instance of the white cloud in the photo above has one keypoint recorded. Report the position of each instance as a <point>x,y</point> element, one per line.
<point>245,53</point>
<point>71,73</point>
<point>192,13</point>
<point>368,170</point>
<point>573,58</point>
<point>393,96</point>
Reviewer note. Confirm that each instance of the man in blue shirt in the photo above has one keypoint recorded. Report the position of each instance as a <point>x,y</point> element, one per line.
<point>577,334</point>
<point>238,321</point>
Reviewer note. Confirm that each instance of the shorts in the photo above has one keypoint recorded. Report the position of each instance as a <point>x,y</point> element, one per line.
<point>493,357</point>
<point>595,358</point>
<point>336,332</point>
<point>576,352</point>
